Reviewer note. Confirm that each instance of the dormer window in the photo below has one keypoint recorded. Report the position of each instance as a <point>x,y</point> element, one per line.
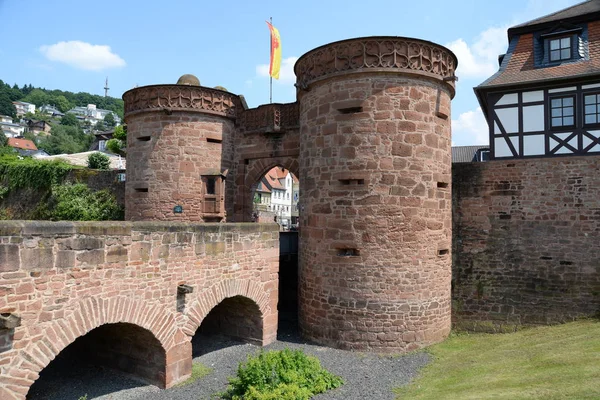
<point>563,43</point>
<point>560,49</point>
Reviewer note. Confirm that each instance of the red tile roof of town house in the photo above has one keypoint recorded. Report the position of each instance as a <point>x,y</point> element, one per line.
<point>274,182</point>
<point>278,172</point>
<point>273,177</point>
<point>294,178</point>
<point>24,144</point>
<point>262,187</point>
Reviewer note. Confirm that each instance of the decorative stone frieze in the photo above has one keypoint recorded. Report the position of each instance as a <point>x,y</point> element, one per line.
<point>169,98</point>
<point>377,54</point>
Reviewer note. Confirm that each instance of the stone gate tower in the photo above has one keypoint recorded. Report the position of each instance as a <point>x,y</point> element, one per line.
<point>180,149</point>
<point>375,165</point>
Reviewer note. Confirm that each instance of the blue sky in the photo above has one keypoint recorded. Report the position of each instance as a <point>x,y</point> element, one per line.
<point>73,45</point>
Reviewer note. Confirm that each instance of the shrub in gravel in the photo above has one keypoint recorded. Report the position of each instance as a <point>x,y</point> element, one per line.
<point>280,375</point>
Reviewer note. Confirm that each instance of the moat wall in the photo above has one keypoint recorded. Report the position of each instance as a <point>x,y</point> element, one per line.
<point>526,242</point>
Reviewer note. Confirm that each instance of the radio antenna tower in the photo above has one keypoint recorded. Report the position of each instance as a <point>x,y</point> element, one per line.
<point>106,87</point>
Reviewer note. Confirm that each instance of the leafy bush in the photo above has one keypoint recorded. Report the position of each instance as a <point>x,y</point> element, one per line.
<point>76,202</point>
<point>280,375</point>
<point>18,172</point>
<point>98,161</point>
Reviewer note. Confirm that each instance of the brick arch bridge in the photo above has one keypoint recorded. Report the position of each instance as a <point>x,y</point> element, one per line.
<point>155,283</point>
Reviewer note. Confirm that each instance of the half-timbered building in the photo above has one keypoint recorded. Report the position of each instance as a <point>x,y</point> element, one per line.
<point>545,98</point>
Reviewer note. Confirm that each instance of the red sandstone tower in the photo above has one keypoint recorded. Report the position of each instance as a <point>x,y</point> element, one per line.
<point>180,149</point>
<point>375,165</point>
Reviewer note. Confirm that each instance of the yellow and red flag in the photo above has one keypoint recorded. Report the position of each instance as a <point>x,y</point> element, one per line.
<point>275,64</point>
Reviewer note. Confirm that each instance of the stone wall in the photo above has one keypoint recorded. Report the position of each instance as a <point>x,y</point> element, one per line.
<point>65,279</point>
<point>526,246</point>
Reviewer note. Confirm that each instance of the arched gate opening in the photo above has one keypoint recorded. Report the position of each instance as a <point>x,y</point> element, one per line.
<point>275,197</point>
<point>86,366</point>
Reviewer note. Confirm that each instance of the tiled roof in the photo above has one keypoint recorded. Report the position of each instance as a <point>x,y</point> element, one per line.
<point>273,177</point>
<point>278,172</point>
<point>523,62</point>
<point>520,69</point>
<point>261,187</point>
<point>24,144</point>
<point>578,10</point>
<point>463,154</point>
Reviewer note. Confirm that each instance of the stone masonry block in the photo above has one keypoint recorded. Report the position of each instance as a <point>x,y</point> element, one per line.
<point>37,258</point>
<point>140,251</point>
<point>116,254</point>
<point>84,243</point>
<point>9,257</point>
<point>91,257</point>
<point>65,259</point>
<point>214,248</point>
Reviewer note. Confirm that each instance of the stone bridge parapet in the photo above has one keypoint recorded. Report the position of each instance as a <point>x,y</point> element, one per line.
<point>65,279</point>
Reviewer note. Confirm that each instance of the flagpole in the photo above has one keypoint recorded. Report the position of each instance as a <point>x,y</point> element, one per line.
<point>270,77</point>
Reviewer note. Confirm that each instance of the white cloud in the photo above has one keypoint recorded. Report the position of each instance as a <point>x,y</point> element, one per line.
<point>480,60</point>
<point>470,128</point>
<point>286,73</point>
<point>82,55</point>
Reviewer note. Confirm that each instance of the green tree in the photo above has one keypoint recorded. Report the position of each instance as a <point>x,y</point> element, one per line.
<point>65,139</point>
<point>109,120</point>
<point>118,143</point>
<point>6,106</point>
<point>3,139</point>
<point>31,136</point>
<point>100,126</point>
<point>69,120</point>
<point>98,161</point>
<point>38,97</point>
<point>62,103</point>
<point>38,116</point>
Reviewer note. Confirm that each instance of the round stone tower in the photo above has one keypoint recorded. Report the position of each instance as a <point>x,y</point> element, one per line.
<point>180,144</point>
<point>375,159</point>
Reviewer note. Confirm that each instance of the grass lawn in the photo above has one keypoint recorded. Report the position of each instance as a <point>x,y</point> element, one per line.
<point>556,362</point>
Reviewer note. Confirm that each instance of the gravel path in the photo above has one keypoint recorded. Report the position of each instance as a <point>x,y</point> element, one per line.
<point>366,375</point>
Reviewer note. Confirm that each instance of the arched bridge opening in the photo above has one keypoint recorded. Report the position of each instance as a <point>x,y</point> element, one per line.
<point>91,361</point>
<point>234,320</point>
